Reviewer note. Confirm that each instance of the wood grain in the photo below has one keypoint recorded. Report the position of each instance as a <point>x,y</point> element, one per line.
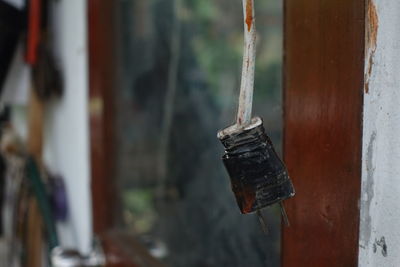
<point>324,70</point>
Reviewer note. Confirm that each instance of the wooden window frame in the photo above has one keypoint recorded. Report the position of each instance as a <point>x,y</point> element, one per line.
<point>323,103</point>
<point>323,99</point>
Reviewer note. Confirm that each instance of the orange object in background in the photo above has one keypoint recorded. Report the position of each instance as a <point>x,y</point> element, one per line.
<point>33,35</point>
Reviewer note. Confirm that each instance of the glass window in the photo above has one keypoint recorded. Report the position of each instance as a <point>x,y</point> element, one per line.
<point>179,76</point>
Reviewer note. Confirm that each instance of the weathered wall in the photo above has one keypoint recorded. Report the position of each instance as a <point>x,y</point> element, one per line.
<point>380,198</point>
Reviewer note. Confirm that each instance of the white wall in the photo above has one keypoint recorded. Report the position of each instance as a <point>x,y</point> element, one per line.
<point>380,198</point>
<point>67,139</point>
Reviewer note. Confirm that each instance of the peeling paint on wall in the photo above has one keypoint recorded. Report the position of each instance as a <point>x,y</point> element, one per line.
<point>380,196</point>
<point>371,34</point>
<point>372,25</point>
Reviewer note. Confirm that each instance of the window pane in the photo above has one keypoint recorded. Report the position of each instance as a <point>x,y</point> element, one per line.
<point>179,76</point>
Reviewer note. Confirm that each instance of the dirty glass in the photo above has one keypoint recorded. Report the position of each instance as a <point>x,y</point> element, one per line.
<point>179,66</point>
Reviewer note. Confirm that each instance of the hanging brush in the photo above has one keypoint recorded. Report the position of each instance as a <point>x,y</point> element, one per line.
<point>258,176</point>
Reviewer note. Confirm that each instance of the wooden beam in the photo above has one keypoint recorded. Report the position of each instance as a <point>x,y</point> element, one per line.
<point>324,76</point>
<point>102,83</point>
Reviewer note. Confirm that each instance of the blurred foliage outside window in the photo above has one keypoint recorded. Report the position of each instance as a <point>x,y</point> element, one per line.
<point>179,76</point>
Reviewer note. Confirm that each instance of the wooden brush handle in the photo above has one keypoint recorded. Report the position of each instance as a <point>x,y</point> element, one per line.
<point>35,126</point>
<point>34,235</point>
<point>35,148</point>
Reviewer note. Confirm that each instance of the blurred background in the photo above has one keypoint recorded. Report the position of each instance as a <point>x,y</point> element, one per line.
<point>179,66</point>
<point>120,103</point>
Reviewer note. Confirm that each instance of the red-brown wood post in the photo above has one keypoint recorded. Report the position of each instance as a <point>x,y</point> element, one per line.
<point>324,72</point>
<point>101,41</point>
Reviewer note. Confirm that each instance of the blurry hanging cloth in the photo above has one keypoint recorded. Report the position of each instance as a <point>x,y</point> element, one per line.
<point>46,75</point>
<point>12,22</point>
<point>58,198</point>
<point>13,208</point>
<point>24,185</point>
